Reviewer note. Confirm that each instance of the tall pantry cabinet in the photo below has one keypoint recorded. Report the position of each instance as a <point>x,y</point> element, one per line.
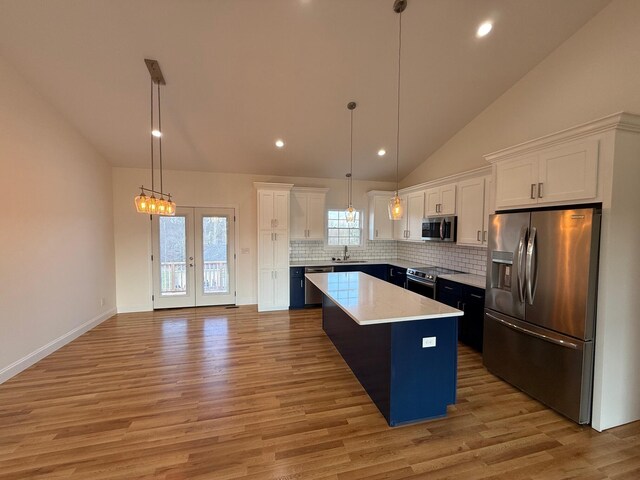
<point>273,245</point>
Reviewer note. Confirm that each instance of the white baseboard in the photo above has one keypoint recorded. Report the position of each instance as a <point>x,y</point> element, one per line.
<point>25,362</point>
<point>147,307</point>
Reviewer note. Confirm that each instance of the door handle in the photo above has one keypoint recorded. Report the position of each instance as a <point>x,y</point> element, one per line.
<point>484,235</point>
<point>448,288</point>
<point>520,252</point>
<point>458,304</point>
<point>301,283</point>
<point>479,297</point>
<point>463,305</point>
<point>546,338</point>
<point>478,236</point>
<point>376,233</point>
<point>533,187</point>
<point>540,190</point>
<point>532,276</point>
<point>442,229</point>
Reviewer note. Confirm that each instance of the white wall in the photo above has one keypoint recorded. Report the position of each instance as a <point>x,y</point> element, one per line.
<point>56,238</point>
<point>201,189</point>
<point>594,73</point>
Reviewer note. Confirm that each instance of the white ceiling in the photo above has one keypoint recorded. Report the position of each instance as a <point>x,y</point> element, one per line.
<point>241,73</point>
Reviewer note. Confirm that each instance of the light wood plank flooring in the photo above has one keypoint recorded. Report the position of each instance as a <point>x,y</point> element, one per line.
<point>219,393</point>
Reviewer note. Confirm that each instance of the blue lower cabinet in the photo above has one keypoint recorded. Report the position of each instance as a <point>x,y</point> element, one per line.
<point>408,383</point>
<point>470,300</point>
<point>397,276</point>
<point>296,287</point>
<point>378,271</point>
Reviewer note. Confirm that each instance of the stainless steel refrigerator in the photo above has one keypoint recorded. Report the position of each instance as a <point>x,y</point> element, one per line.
<point>539,324</point>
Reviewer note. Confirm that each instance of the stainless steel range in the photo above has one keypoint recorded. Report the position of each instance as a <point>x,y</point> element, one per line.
<point>423,280</point>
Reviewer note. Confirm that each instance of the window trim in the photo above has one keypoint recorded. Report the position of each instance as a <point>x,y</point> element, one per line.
<point>361,245</point>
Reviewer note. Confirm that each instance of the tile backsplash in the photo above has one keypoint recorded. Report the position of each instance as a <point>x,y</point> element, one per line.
<point>465,259</point>
<point>301,250</point>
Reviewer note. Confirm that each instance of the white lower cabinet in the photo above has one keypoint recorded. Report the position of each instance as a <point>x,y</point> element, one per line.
<point>473,211</point>
<point>273,289</point>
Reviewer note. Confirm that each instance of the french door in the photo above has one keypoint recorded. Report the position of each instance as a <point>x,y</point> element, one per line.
<point>194,258</point>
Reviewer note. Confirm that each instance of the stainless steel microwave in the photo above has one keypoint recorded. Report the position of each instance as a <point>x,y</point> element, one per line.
<point>439,229</point>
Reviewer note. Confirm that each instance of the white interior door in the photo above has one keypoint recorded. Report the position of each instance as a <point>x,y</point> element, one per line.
<point>194,258</point>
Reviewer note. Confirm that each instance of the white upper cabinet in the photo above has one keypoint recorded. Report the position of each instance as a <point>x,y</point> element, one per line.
<point>380,225</point>
<point>307,213</point>
<point>516,180</point>
<point>556,174</point>
<point>569,172</point>
<point>440,200</point>
<point>273,210</point>
<point>409,227</point>
<point>473,211</point>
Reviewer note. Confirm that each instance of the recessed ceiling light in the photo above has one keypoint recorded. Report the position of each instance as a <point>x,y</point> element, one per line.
<point>279,143</point>
<point>156,133</point>
<point>382,152</point>
<point>484,29</point>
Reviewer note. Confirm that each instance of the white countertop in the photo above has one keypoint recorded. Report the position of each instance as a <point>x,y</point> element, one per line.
<point>329,263</point>
<point>369,300</point>
<point>477,281</point>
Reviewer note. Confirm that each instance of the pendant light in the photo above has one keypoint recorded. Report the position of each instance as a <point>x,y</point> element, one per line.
<point>396,204</point>
<point>350,212</point>
<point>144,203</point>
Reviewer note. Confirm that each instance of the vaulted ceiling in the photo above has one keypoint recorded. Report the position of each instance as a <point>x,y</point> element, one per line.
<point>242,73</point>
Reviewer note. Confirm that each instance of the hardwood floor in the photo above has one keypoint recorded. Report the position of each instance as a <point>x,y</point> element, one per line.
<point>218,393</point>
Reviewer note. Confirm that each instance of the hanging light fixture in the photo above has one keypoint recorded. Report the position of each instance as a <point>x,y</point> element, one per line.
<point>163,205</point>
<point>396,204</point>
<point>350,212</point>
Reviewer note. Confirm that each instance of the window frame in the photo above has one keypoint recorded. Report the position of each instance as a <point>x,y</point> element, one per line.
<point>360,245</point>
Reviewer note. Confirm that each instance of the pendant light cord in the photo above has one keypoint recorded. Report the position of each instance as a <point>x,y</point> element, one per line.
<point>152,175</point>
<point>351,164</point>
<point>160,142</point>
<point>398,101</point>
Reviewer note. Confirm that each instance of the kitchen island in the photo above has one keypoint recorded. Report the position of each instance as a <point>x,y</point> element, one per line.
<point>401,346</point>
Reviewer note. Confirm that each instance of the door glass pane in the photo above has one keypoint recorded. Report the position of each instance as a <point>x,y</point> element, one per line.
<point>173,256</point>
<point>214,246</point>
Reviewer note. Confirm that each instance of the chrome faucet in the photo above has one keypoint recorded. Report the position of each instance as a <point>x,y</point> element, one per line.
<point>346,255</point>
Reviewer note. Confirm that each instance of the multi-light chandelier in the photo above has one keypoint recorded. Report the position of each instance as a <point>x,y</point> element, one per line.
<point>396,206</point>
<point>150,204</point>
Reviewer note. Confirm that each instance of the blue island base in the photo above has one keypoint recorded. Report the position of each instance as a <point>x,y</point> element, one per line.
<point>408,383</point>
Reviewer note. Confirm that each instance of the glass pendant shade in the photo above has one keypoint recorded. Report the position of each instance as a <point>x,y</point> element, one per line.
<point>396,207</point>
<point>142,203</point>
<point>350,214</point>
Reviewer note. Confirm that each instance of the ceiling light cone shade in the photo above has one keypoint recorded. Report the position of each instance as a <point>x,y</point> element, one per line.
<point>396,208</point>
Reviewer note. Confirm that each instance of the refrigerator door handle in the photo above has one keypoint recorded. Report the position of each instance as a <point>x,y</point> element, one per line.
<point>520,251</point>
<point>546,338</point>
<point>532,268</point>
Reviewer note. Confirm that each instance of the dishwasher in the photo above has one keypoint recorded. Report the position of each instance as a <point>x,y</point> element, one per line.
<point>312,295</point>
